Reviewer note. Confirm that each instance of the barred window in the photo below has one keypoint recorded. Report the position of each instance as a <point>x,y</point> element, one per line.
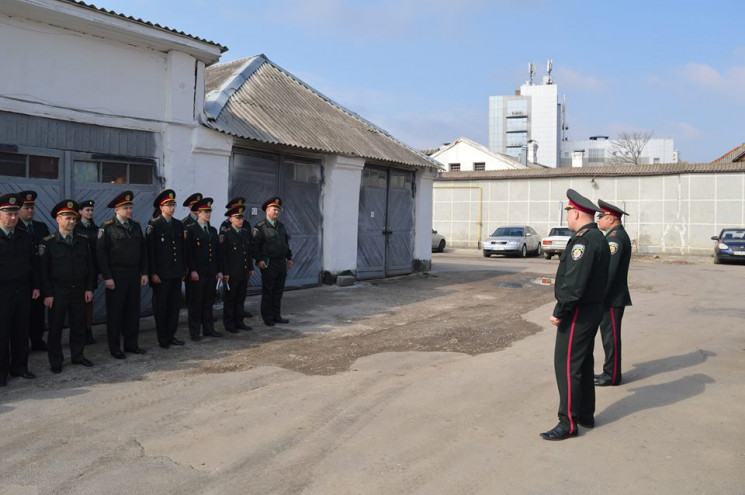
<point>479,166</point>
<point>454,167</point>
<point>32,166</point>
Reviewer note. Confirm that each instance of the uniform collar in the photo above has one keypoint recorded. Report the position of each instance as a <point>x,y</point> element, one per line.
<point>273,223</point>
<point>6,232</point>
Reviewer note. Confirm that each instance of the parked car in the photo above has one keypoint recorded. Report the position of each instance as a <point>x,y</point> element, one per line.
<point>438,241</point>
<point>729,245</point>
<point>556,241</point>
<point>513,240</point>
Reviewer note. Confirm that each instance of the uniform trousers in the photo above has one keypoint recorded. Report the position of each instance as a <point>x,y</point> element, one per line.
<point>273,279</point>
<point>610,332</point>
<point>573,364</point>
<point>123,309</point>
<point>67,302</point>
<point>201,296</point>
<point>166,306</point>
<point>37,321</point>
<point>15,300</point>
<point>233,302</point>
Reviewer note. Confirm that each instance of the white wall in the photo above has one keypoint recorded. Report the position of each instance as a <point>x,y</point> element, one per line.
<point>544,120</point>
<point>340,207</point>
<point>423,181</point>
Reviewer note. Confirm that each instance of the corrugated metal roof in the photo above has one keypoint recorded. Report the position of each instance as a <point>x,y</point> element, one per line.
<point>734,155</point>
<point>146,23</point>
<point>603,171</point>
<point>255,99</point>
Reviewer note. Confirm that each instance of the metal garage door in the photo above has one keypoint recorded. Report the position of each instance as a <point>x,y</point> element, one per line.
<point>257,176</point>
<point>385,237</point>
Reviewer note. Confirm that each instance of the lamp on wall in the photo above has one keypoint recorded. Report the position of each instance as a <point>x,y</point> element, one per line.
<point>593,183</point>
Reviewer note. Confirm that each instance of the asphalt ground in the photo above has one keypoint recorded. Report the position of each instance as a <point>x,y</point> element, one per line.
<point>428,383</point>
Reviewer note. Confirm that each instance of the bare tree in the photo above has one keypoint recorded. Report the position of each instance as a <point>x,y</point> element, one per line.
<point>627,149</point>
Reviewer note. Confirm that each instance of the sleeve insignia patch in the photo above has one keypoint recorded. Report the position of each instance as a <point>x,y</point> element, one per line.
<point>613,247</point>
<point>42,249</point>
<point>100,233</point>
<point>221,238</point>
<point>149,230</point>
<point>577,251</point>
<point>186,235</point>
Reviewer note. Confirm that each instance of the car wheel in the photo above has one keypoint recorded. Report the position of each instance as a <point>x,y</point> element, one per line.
<point>524,252</point>
<point>538,250</point>
<point>487,255</point>
<point>441,246</point>
<point>547,256</point>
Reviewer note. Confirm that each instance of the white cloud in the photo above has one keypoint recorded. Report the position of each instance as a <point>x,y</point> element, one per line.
<point>571,79</point>
<point>684,130</point>
<point>700,79</point>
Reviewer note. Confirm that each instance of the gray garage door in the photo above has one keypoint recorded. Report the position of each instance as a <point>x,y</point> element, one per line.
<point>385,237</point>
<point>257,176</point>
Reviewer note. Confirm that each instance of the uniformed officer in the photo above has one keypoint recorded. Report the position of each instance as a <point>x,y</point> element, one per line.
<point>87,226</point>
<point>204,270</point>
<point>67,280</point>
<point>122,257</point>
<point>19,285</point>
<point>580,290</point>
<point>165,243</point>
<point>192,216</point>
<point>274,258</point>
<point>38,230</point>
<point>225,226</point>
<point>237,262</point>
<point>617,292</point>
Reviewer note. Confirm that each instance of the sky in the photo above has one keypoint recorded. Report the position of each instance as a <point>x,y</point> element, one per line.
<point>423,70</point>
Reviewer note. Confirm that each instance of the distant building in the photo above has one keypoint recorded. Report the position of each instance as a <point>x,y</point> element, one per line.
<point>600,150</point>
<point>464,154</point>
<point>529,122</point>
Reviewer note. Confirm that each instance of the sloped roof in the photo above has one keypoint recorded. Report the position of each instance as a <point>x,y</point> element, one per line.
<point>506,159</point>
<point>601,171</point>
<point>255,99</point>
<point>736,154</point>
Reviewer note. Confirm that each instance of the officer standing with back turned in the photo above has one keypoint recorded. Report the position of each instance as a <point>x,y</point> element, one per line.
<point>580,293</point>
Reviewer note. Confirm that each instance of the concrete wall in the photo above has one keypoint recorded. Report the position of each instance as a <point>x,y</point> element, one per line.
<point>675,214</point>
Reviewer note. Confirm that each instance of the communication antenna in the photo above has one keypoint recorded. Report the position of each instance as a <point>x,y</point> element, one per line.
<point>531,70</point>
<point>549,68</point>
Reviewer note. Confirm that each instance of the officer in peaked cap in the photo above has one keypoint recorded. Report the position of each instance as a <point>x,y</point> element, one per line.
<point>122,258</point>
<point>87,227</point>
<point>580,289</point>
<point>19,284</point>
<point>67,280</point>
<point>167,264</point>
<point>204,270</point>
<point>237,262</point>
<point>189,202</point>
<point>226,225</point>
<point>274,258</point>
<point>239,201</point>
<point>617,291</point>
<point>38,230</point>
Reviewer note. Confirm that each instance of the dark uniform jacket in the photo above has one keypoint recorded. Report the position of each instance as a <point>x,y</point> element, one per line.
<point>201,250</point>
<point>617,292</point>
<point>188,220</point>
<point>271,241</point>
<point>165,248</point>
<point>65,266</point>
<point>18,260</point>
<point>120,248</point>
<point>583,271</point>
<point>91,232</point>
<point>236,252</point>
<point>40,231</point>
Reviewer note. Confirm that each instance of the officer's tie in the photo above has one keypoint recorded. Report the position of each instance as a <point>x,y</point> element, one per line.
<point>206,230</point>
<point>30,227</point>
<point>10,234</point>
<point>68,239</point>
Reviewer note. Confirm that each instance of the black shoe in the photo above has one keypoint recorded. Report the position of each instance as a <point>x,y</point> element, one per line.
<point>248,314</point>
<point>89,337</point>
<point>587,423</point>
<point>242,326</point>
<point>175,341</point>
<point>27,375</point>
<point>57,369</point>
<point>269,323</point>
<point>136,350</point>
<point>164,346</point>
<point>279,319</point>
<point>119,354</point>
<point>213,334</point>
<point>603,381</point>
<point>559,432</point>
<point>84,362</point>
<point>196,338</point>
<point>232,330</point>
<point>39,345</point>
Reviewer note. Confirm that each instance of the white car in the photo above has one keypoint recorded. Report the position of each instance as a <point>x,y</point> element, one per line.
<point>438,241</point>
<point>556,241</point>
<point>516,240</point>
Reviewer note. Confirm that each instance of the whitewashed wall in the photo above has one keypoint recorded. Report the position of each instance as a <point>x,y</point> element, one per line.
<point>674,214</point>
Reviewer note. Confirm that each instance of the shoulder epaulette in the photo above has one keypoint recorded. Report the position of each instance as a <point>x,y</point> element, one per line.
<point>260,224</point>
<point>581,232</point>
<point>107,222</point>
<point>49,237</point>
<point>612,233</point>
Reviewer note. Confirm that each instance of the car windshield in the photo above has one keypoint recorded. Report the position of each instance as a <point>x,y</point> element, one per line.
<point>733,235</point>
<point>508,232</point>
<point>561,231</point>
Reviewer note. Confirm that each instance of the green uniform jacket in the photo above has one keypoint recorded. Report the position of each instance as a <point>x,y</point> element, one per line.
<point>271,241</point>
<point>583,271</point>
<point>617,291</point>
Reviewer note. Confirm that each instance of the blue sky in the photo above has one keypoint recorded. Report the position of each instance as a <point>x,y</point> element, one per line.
<point>424,69</point>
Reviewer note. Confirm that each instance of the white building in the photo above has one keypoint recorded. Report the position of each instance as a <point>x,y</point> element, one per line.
<point>93,102</point>
<point>464,154</point>
<point>600,150</point>
<point>528,122</point>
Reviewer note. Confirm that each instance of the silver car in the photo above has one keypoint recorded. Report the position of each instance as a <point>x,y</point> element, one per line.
<point>513,240</point>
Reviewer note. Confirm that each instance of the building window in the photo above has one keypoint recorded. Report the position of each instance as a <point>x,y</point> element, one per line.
<point>305,172</point>
<point>373,178</point>
<point>479,166</point>
<point>454,167</point>
<point>31,166</point>
<point>595,155</point>
<point>113,172</point>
